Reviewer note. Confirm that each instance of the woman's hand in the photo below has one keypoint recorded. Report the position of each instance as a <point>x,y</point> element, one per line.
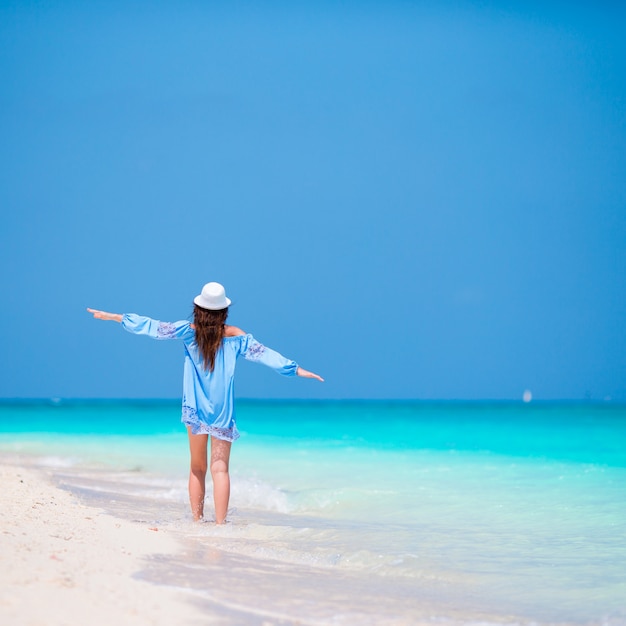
<point>306,374</point>
<point>103,315</point>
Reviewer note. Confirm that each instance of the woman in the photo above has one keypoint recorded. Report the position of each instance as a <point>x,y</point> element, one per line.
<point>211,351</point>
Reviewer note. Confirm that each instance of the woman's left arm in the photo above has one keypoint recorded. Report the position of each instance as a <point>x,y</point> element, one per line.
<point>142,325</point>
<point>103,315</point>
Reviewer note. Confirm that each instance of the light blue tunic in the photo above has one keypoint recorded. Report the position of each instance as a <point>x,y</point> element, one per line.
<point>208,397</point>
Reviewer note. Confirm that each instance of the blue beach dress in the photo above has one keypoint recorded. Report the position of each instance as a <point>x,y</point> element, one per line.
<point>208,397</point>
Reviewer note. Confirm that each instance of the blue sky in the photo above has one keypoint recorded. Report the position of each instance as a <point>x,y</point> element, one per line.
<point>415,199</point>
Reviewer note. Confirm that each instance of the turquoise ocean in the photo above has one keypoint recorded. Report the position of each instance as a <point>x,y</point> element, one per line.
<point>365,512</point>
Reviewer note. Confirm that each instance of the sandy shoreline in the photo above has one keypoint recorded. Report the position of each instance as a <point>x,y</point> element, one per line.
<point>66,563</point>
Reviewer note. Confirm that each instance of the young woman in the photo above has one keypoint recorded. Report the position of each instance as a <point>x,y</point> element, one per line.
<point>211,351</point>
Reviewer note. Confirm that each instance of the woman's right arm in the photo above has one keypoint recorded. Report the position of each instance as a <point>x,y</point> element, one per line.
<point>103,315</point>
<point>256,351</point>
<point>306,374</point>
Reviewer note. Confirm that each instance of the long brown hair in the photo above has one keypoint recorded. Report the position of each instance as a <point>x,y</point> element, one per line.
<point>209,333</point>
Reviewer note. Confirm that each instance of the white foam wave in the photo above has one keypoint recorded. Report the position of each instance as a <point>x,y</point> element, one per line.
<point>56,461</point>
<point>256,494</point>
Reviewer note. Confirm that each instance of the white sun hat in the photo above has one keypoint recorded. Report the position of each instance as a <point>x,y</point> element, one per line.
<point>213,297</point>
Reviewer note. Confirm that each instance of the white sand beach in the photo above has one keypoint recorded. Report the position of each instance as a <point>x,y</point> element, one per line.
<point>84,541</point>
<point>65,563</point>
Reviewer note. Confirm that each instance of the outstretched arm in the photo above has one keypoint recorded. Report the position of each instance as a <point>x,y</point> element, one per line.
<point>103,315</point>
<point>255,351</point>
<point>306,374</point>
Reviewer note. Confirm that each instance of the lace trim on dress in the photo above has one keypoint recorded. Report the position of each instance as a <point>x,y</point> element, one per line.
<point>166,330</point>
<point>255,351</point>
<point>198,427</point>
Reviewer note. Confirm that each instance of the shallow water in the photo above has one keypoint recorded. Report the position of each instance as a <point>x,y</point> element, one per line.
<point>350,512</point>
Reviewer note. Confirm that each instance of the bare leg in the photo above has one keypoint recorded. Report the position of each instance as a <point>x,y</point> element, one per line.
<point>197,473</point>
<point>220,456</point>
